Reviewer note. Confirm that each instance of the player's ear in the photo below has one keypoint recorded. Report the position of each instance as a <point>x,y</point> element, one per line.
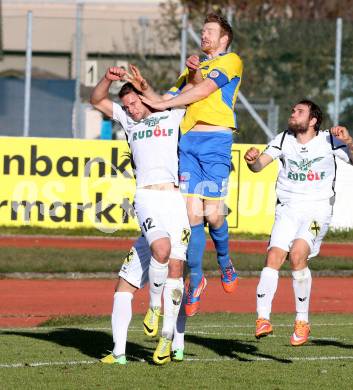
<point>224,40</point>
<point>313,122</point>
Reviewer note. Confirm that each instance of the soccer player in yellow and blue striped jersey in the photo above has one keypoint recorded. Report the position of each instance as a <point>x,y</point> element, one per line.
<point>217,108</point>
<point>208,87</point>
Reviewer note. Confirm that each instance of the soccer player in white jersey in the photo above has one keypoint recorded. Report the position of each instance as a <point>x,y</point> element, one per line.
<point>161,213</point>
<point>305,197</point>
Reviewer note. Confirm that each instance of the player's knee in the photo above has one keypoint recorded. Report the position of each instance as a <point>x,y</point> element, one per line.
<point>274,259</point>
<point>175,269</point>
<point>160,250</point>
<point>124,286</point>
<point>298,260</point>
<point>215,220</point>
<point>161,253</point>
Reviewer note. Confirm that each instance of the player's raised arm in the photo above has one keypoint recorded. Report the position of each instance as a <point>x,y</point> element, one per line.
<point>192,95</point>
<point>342,134</point>
<point>100,94</point>
<point>256,161</point>
<point>141,84</point>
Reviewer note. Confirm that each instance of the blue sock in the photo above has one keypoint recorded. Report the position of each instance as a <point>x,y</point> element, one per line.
<point>195,252</point>
<point>220,238</point>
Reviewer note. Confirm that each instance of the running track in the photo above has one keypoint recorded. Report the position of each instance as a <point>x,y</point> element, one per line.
<point>27,303</point>
<point>241,246</point>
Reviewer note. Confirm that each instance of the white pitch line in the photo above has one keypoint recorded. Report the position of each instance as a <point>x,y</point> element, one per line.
<point>42,364</point>
<point>215,326</point>
<point>259,359</point>
<point>256,359</point>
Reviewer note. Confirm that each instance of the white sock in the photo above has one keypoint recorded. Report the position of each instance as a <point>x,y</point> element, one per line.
<point>302,288</point>
<point>157,275</point>
<point>121,317</point>
<point>173,295</point>
<point>179,329</point>
<point>265,292</point>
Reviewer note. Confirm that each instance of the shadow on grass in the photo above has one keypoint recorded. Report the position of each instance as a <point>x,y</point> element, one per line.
<point>89,342</point>
<point>232,349</point>
<point>330,343</point>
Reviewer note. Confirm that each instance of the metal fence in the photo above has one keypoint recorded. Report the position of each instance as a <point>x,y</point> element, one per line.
<point>284,61</point>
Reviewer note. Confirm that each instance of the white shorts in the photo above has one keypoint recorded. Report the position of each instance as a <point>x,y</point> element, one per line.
<point>163,214</point>
<point>135,266</point>
<point>308,221</point>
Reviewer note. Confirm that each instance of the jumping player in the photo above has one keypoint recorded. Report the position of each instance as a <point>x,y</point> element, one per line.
<point>305,197</point>
<point>209,87</point>
<point>161,213</point>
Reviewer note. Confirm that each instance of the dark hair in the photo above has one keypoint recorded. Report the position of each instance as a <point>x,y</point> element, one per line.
<point>226,28</point>
<point>126,89</point>
<point>315,112</point>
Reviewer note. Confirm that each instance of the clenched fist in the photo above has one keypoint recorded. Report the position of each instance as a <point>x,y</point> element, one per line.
<point>115,73</point>
<point>251,155</point>
<point>193,62</point>
<point>342,134</point>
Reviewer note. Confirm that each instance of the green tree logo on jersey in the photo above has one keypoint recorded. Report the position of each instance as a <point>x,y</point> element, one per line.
<point>154,121</point>
<point>304,165</point>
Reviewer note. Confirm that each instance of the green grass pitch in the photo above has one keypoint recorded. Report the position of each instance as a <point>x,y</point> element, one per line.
<point>221,353</point>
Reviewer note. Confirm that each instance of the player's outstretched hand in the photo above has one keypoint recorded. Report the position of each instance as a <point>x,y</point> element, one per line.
<point>115,73</point>
<point>251,155</point>
<point>136,79</point>
<point>342,134</point>
<point>159,105</point>
<point>193,62</point>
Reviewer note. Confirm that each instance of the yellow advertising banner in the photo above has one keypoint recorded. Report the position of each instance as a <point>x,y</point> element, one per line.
<point>251,196</point>
<point>70,183</point>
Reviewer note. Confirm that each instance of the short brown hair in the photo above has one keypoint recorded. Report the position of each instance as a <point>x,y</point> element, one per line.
<point>126,89</point>
<point>226,28</point>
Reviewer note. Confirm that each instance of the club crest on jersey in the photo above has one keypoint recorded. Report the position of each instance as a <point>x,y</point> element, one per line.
<point>154,121</point>
<point>214,74</point>
<point>304,165</point>
<point>315,228</point>
<point>301,171</point>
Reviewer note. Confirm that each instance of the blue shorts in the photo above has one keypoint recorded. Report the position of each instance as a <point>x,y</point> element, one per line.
<point>205,163</point>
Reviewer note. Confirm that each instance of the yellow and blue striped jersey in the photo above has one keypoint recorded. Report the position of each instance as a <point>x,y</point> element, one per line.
<point>218,108</point>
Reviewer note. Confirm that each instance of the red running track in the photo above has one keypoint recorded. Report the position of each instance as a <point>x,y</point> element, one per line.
<point>26,303</point>
<point>108,243</point>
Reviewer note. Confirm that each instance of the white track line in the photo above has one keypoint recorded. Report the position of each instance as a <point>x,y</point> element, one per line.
<point>256,359</point>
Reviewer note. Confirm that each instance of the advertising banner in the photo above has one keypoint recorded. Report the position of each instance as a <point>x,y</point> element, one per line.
<point>71,183</point>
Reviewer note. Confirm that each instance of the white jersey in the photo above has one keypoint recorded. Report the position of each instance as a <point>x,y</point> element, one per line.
<point>307,171</point>
<point>154,145</point>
